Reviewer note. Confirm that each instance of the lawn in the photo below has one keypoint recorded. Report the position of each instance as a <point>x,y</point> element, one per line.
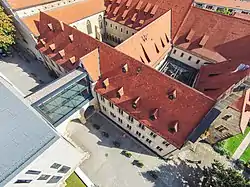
<point>231,144</point>
<point>246,155</point>
<point>74,181</point>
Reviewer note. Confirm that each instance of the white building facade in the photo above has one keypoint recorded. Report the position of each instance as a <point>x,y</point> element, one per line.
<point>116,33</point>
<point>147,137</point>
<point>51,168</point>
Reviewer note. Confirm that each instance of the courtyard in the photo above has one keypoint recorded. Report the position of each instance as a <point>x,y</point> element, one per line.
<point>179,71</point>
<point>108,167</point>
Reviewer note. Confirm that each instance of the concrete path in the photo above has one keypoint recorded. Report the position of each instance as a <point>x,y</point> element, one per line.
<point>242,147</point>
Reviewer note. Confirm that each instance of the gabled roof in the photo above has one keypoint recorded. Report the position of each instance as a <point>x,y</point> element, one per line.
<point>224,37</point>
<point>150,44</point>
<point>138,80</point>
<point>69,13</point>
<point>21,4</point>
<point>215,79</point>
<point>136,14</point>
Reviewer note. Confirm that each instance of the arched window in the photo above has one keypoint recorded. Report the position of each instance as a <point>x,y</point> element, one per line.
<point>100,21</point>
<point>115,39</point>
<point>89,28</point>
<point>112,38</point>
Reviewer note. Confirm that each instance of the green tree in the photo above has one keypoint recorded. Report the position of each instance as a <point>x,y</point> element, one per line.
<point>219,176</point>
<point>224,11</point>
<point>7,30</point>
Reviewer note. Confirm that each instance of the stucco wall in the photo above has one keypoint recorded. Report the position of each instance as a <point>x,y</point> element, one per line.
<point>145,134</point>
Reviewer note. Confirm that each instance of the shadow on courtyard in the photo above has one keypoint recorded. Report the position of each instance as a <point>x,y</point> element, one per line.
<point>115,134</point>
<point>175,174</point>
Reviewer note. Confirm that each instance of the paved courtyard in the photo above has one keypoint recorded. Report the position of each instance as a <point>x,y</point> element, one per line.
<point>106,167</point>
<point>27,75</point>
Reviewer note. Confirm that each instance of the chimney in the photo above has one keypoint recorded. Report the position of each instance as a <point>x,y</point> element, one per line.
<point>120,92</point>
<point>172,94</point>
<point>155,114</point>
<point>72,59</point>
<point>62,25</point>
<point>174,127</point>
<point>50,26</point>
<point>135,103</point>
<point>125,68</point>
<point>52,47</point>
<point>106,82</point>
<point>71,38</point>
<point>62,53</point>
<point>43,42</point>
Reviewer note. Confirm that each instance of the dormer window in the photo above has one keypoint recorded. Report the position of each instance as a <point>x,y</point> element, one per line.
<point>120,92</point>
<point>50,26</point>
<point>52,47</point>
<point>125,68</point>
<point>71,38</point>
<point>106,82</point>
<point>62,53</point>
<point>172,95</point>
<point>135,103</point>
<point>154,115</point>
<point>174,127</point>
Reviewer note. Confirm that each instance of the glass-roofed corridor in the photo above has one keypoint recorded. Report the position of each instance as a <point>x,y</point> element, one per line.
<point>65,101</point>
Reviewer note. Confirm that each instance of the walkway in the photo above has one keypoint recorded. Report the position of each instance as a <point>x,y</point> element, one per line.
<point>242,147</point>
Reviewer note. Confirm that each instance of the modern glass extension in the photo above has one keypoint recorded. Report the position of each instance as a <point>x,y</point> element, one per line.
<point>62,103</point>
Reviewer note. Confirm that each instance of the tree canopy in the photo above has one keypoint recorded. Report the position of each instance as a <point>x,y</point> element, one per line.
<point>7,30</point>
<point>219,176</point>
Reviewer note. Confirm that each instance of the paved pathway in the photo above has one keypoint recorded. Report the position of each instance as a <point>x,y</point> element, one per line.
<point>242,147</point>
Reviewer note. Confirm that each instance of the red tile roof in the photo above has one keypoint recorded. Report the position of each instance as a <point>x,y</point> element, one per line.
<point>68,14</point>
<point>139,9</point>
<point>151,44</point>
<point>226,36</point>
<point>153,88</point>
<point>20,4</point>
<point>215,79</point>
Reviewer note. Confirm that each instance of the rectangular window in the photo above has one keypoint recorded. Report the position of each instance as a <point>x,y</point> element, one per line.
<point>64,169</point>
<point>182,54</point>
<point>189,58</point>
<point>153,135</point>
<point>106,23</point>
<point>116,27</point>
<point>55,166</point>
<point>131,119</point>
<point>221,128</point>
<point>43,177</point>
<point>120,120</point>
<point>198,61</point>
<point>121,29</point>
<point>120,111</point>
<point>126,32</point>
<point>104,108</point>
<point>148,140</point>
<point>54,179</point>
<point>110,25</point>
<point>159,148</point>
<point>112,114</point>
<point>174,51</point>
<point>129,127</point>
<point>138,133</point>
<point>33,172</point>
<point>111,105</point>
<point>103,99</point>
<point>141,126</point>
<point>23,181</point>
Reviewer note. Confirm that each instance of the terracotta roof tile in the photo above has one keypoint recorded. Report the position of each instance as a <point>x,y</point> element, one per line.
<point>139,81</point>
<point>20,4</point>
<point>215,79</point>
<point>68,14</point>
<point>128,9</point>
<point>217,33</point>
<point>146,43</point>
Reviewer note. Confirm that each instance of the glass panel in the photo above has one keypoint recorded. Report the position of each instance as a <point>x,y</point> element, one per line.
<point>66,101</point>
